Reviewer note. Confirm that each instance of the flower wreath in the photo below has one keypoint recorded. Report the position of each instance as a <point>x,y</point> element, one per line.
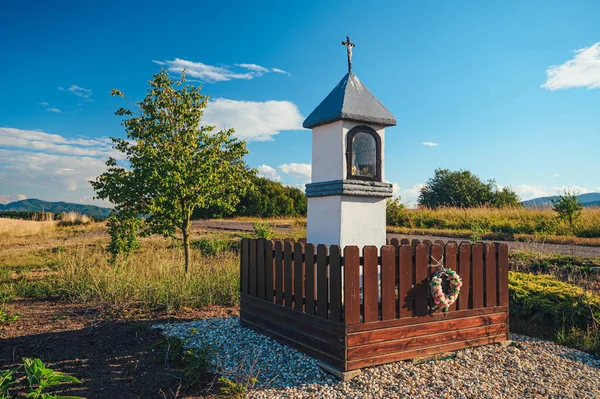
<point>440,298</point>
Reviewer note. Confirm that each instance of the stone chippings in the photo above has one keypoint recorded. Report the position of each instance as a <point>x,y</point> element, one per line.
<point>528,368</point>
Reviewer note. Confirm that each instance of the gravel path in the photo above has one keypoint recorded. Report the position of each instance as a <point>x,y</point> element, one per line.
<point>528,368</point>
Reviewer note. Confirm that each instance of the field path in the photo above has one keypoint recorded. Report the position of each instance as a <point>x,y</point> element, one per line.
<point>285,225</point>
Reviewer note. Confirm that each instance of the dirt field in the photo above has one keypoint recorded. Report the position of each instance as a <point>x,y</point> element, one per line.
<point>113,358</point>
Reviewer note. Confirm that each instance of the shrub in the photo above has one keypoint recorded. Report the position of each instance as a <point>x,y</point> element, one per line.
<point>263,230</point>
<point>213,246</point>
<point>395,214</point>
<point>543,306</point>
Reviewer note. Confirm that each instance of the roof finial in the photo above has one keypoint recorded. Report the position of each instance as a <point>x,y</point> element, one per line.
<point>349,46</point>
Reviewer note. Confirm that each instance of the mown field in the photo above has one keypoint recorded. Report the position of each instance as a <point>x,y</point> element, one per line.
<point>522,224</point>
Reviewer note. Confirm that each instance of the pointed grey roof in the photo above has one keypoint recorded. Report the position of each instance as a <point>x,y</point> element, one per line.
<point>350,99</point>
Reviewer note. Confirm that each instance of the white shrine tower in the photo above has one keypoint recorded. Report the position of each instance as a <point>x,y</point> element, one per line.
<point>347,194</point>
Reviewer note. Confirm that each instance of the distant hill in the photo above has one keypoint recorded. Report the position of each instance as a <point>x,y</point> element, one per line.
<point>37,205</point>
<point>588,200</point>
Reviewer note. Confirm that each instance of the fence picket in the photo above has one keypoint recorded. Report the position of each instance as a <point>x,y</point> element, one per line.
<point>252,268</point>
<point>351,285</point>
<point>490,275</point>
<point>298,276</point>
<point>436,255</point>
<point>450,252</point>
<point>335,283</point>
<point>502,251</point>
<point>370,284</point>
<point>322,281</point>
<point>260,264</point>
<point>288,274</point>
<point>464,271</point>
<point>421,279</point>
<point>406,291</point>
<point>477,275</point>
<point>244,254</point>
<point>279,288</point>
<point>395,242</point>
<point>309,287</point>
<point>388,281</point>
<point>270,271</point>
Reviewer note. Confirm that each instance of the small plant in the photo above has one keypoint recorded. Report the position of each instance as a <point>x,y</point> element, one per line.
<point>476,233</point>
<point>263,230</point>
<point>39,379</point>
<point>123,231</point>
<point>234,390</point>
<point>212,246</point>
<point>195,362</point>
<point>568,208</point>
<point>6,317</point>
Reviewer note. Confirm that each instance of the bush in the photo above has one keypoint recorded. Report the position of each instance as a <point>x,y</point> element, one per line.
<point>73,219</point>
<point>263,230</point>
<point>395,214</point>
<point>213,246</point>
<point>543,306</point>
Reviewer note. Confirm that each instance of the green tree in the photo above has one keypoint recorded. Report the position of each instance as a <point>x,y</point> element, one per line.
<point>568,207</point>
<point>463,189</point>
<point>175,164</point>
<point>395,214</point>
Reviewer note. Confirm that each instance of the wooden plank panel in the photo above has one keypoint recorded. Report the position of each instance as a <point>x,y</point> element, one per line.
<point>464,271</point>
<point>477,281</point>
<point>451,262</point>
<point>322,293</point>
<point>351,285</point>
<point>502,251</point>
<point>438,316</point>
<point>387,347</point>
<point>436,256</point>
<point>406,292</point>
<point>388,282</point>
<point>421,280</point>
<point>310,287</point>
<point>270,271</point>
<point>288,274</point>
<point>245,264</point>
<point>299,276</point>
<point>279,288</point>
<point>370,284</point>
<point>335,283</point>
<point>261,267</point>
<point>327,327</point>
<point>491,293</point>
<point>252,269</point>
<point>420,352</point>
<point>415,330</point>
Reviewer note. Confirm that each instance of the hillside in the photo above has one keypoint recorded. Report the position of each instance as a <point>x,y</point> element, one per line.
<point>588,200</point>
<point>33,204</point>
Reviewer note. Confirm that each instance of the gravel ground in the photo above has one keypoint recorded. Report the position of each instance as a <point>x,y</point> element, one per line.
<point>528,368</point>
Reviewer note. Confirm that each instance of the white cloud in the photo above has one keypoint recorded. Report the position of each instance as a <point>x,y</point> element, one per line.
<point>55,110</point>
<point>573,189</point>
<point>213,74</point>
<point>54,143</point>
<point>80,91</point>
<point>527,192</point>
<point>268,172</point>
<point>299,170</point>
<point>429,144</point>
<point>43,103</point>
<point>7,198</point>
<point>581,71</point>
<point>598,189</point>
<point>253,121</point>
<point>277,70</point>
<point>555,176</point>
<point>410,196</point>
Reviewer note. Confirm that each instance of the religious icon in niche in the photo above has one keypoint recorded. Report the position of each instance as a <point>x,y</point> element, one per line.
<point>364,155</point>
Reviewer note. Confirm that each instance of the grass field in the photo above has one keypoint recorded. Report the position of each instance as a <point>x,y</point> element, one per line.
<point>494,223</point>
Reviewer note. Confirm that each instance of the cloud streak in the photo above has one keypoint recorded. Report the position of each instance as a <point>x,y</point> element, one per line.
<point>581,71</point>
<point>253,120</point>
<point>298,170</point>
<point>429,144</point>
<point>213,74</point>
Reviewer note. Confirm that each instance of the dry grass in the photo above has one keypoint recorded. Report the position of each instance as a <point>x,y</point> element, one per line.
<point>24,228</point>
<point>506,222</point>
<point>71,262</point>
<point>73,219</point>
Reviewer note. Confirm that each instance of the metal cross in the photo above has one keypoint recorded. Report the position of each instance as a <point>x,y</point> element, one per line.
<point>349,46</point>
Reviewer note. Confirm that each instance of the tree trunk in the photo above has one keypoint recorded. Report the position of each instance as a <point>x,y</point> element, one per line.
<point>186,244</point>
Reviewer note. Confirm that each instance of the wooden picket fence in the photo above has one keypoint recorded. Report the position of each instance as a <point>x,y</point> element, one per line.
<point>353,309</point>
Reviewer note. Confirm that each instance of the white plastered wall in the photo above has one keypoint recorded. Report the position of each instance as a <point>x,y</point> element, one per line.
<point>324,220</point>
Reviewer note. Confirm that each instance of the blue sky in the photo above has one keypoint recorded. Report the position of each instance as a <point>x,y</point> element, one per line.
<point>507,89</point>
